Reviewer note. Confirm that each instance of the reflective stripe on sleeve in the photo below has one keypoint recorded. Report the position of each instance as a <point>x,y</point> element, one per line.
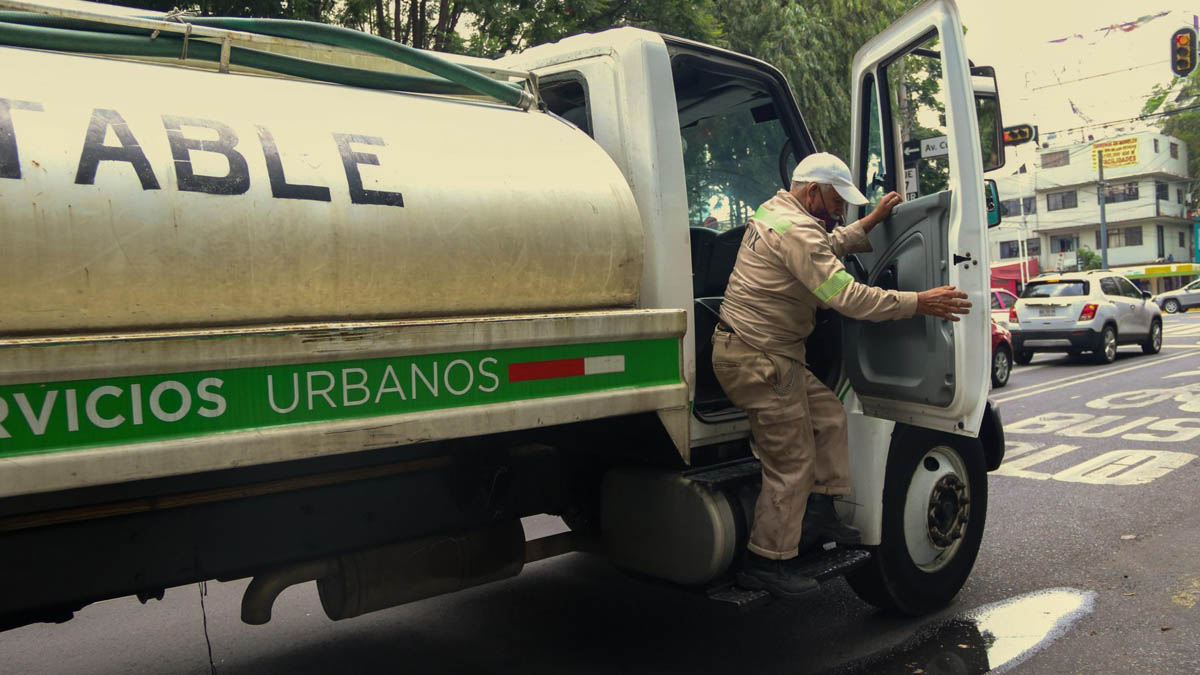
<point>833,285</point>
<point>772,220</point>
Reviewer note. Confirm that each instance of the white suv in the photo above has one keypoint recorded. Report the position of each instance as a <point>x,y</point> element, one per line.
<point>1083,311</point>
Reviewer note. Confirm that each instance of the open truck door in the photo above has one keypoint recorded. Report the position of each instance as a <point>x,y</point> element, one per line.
<point>916,130</point>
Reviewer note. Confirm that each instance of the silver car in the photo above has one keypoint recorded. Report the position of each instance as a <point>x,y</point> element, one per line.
<point>1080,312</point>
<point>1180,299</point>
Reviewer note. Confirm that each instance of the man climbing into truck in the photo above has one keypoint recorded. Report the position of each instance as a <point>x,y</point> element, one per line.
<point>788,267</point>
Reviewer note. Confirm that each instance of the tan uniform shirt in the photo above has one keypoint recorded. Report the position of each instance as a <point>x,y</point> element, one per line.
<point>787,267</point>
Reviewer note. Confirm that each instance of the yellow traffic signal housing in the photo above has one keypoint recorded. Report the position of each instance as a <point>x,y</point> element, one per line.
<point>1021,133</point>
<point>1183,52</point>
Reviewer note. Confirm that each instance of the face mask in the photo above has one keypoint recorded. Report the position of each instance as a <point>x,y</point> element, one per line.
<point>831,221</point>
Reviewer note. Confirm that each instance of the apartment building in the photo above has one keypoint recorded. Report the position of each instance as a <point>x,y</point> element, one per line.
<point>1052,211</point>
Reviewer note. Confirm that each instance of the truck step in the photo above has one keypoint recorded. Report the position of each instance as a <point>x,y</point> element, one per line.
<point>821,565</point>
<point>727,472</point>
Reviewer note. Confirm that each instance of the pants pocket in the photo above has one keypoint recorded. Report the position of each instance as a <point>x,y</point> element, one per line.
<point>787,413</point>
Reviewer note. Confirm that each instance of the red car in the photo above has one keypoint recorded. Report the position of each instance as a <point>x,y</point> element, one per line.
<point>1002,354</point>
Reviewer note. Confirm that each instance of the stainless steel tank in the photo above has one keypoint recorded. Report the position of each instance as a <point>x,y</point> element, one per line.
<point>140,196</point>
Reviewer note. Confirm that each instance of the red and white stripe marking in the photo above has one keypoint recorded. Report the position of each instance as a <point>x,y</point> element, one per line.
<point>549,370</point>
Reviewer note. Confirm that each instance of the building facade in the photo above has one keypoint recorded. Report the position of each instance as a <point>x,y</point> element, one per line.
<point>1052,212</point>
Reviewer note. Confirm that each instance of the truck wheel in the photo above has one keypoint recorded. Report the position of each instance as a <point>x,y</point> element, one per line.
<point>1106,347</point>
<point>934,508</point>
<point>1153,343</point>
<point>1023,356</point>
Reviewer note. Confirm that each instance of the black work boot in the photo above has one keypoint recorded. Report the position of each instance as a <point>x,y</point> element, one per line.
<point>777,577</point>
<point>821,524</point>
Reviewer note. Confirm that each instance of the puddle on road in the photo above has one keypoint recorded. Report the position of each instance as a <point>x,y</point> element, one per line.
<point>992,638</point>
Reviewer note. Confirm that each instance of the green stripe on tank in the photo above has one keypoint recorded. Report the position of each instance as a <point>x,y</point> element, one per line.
<point>772,220</point>
<point>833,285</point>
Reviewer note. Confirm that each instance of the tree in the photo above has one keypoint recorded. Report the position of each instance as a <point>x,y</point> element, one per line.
<point>1087,259</point>
<point>1184,125</point>
<point>813,44</point>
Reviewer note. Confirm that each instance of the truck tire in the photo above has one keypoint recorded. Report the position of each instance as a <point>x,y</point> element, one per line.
<point>1106,346</point>
<point>934,509</point>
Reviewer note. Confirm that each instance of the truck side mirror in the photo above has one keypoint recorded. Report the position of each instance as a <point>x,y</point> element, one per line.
<point>987,110</point>
<point>992,195</point>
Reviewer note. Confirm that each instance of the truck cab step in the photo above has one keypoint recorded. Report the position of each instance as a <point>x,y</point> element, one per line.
<point>822,565</point>
<point>718,475</point>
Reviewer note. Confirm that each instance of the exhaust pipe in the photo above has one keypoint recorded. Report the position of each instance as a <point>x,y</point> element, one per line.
<point>357,583</point>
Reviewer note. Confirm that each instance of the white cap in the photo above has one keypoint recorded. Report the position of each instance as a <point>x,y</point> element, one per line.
<point>826,169</point>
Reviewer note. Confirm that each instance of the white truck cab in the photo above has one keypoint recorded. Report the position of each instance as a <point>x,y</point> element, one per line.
<point>384,364</point>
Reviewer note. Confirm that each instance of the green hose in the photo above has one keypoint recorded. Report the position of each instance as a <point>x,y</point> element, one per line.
<point>373,44</point>
<point>169,46</point>
<point>452,78</point>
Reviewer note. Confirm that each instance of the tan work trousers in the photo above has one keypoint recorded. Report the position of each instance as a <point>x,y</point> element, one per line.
<point>798,427</point>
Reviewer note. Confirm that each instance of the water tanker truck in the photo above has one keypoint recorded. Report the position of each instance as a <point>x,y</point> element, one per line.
<point>294,303</point>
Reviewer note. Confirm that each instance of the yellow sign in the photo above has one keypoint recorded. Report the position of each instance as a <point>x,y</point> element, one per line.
<point>1121,152</point>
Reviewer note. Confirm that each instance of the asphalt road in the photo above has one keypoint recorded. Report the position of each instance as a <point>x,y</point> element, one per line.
<point>1098,498</point>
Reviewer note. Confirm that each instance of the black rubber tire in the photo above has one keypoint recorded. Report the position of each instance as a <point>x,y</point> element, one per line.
<point>1171,306</point>
<point>1151,345</point>
<point>1023,356</point>
<point>891,580</point>
<point>1100,353</point>
<point>1000,379</point>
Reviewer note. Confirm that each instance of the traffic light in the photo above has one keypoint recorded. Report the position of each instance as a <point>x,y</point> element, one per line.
<point>1022,133</point>
<point>1183,52</point>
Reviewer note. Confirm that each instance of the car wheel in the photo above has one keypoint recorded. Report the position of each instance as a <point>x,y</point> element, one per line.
<point>934,508</point>
<point>1106,349</point>
<point>1023,356</point>
<point>1001,366</point>
<point>1171,306</point>
<point>1153,343</point>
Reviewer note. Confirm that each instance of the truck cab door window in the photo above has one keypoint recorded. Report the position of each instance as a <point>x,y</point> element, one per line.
<point>877,174</point>
<point>565,95</point>
<point>918,115</point>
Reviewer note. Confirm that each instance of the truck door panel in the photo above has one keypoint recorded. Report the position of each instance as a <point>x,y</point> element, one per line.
<point>917,231</point>
<point>915,131</point>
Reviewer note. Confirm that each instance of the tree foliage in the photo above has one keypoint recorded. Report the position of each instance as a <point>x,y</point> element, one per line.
<point>813,44</point>
<point>1181,94</point>
<point>1087,259</point>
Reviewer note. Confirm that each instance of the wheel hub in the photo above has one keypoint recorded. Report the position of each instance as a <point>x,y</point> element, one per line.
<point>949,510</point>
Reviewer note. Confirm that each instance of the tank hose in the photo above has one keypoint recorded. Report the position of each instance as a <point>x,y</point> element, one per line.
<point>337,36</point>
<point>167,46</point>
<point>38,31</point>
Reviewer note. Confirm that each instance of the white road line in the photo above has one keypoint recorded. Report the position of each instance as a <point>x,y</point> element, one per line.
<point>1070,381</point>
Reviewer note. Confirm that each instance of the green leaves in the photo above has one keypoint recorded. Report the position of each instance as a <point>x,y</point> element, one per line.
<point>814,46</point>
<point>1184,125</point>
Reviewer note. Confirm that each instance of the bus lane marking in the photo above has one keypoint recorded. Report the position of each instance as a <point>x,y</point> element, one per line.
<point>1115,467</point>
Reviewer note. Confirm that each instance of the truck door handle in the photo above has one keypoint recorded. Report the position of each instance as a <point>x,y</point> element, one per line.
<point>888,278</point>
<point>857,270</point>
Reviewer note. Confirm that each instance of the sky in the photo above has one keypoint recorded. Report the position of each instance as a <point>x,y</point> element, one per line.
<point>1035,77</point>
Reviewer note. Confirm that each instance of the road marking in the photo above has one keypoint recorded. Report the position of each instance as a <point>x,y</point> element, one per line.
<point>1125,467</point>
<point>1019,468</point>
<point>1117,467</point>
<point>1073,380</point>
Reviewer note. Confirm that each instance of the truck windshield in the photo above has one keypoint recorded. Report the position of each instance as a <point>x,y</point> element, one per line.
<point>1053,289</point>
